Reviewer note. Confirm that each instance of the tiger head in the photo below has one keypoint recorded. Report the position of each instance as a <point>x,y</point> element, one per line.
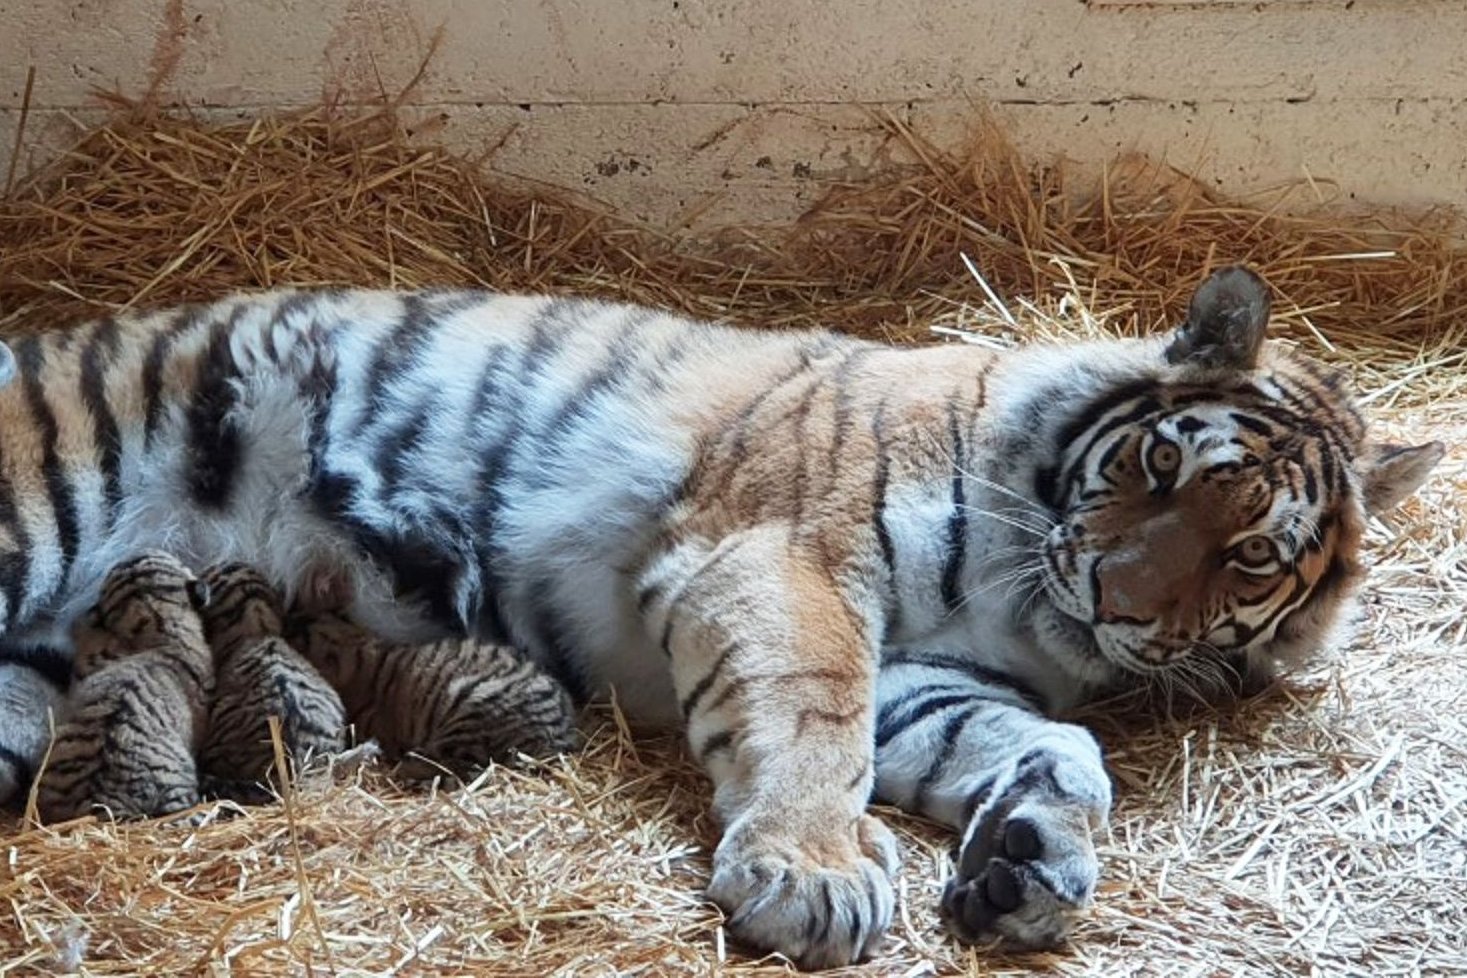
<point>1212,508</point>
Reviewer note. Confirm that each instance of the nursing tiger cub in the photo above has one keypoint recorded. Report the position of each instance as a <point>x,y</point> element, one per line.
<point>848,568</point>
<point>132,724</point>
<point>259,675</point>
<point>454,705</point>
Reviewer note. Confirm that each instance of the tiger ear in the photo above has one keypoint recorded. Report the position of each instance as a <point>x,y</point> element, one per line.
<point>1225,323</point>
<point>7,364</point>
<point>1390,473</point>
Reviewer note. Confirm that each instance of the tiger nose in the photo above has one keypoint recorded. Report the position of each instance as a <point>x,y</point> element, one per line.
<point>1128,588</point>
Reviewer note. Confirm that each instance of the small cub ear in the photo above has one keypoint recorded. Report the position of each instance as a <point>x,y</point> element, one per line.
<point>1225,323</point>
<point>1390,473</point>
<point>198,594</point>
<point>7,364</point>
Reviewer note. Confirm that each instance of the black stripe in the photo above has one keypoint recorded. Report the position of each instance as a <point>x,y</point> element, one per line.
<point>31,358</point>
<point>736,436</point>
<point>1251,424</point>
<point>25,773</point>
<point>396,354</point>
<point>15,563</point>
<point>951,731</point>
<point>1035,770</point>
<point>842,409</point>
<point>394,453</point>
<point>690,702</point>
<point>96,359</point>
<point>646,596</point>
<point>183,320</point>
<point>980,673</point>
<point>1046,487</point>
<point>496,458</point>
<point>558,659</point>
<point>879,484</point>
<point>52,664</point>
<point>957,521</point>
<point>801,474</point>
<point>1107,457</point>
<point>318,390</point>
<point>978,796</point>
<point>214,442</point>
<point>578,403</point>
<point>1089,413</point>
<point>1146,408</point>
<point>915,705</point>
<point>722,740</point>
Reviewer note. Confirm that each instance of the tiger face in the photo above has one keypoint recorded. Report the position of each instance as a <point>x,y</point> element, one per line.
<point>1218,506</point>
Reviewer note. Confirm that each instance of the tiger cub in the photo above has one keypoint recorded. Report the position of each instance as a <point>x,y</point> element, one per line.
<point>455,704</point>
<point>134,720</point>
<point>259,675</point>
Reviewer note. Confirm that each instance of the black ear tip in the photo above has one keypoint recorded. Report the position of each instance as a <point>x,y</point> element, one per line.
<point>1232,285</point>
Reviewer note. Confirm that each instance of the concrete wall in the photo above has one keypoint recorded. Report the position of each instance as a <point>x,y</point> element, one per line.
<point>716,110</point>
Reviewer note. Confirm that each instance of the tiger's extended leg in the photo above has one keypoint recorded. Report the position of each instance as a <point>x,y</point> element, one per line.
<point>961,747</point>
<point>774,672</point>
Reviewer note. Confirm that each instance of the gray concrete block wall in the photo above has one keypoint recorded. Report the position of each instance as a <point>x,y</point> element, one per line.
<point>716,110</point>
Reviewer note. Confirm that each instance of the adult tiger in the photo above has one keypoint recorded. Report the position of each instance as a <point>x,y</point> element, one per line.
<point>847,566</point>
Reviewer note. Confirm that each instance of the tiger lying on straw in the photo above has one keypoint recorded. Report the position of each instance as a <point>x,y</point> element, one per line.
<point>849,569</point>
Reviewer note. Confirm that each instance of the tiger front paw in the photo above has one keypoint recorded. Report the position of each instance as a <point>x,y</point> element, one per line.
<point>1028,863</point>
<point>820,902</point>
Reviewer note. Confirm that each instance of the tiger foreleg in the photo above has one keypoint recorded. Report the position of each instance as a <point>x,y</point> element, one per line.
<point>1027,793</point>
<point>774,675</point>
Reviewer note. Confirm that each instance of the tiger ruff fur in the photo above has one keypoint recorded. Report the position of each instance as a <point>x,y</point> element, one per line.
<point>258,674</point>
<point>847,568</point>
<point>132,724</point>
<point>456,704</point>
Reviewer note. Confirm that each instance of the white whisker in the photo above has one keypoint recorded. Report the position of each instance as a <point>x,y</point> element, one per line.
<point>1006,520</point>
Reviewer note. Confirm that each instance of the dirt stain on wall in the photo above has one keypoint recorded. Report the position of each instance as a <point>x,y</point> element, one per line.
<point>168,49</point>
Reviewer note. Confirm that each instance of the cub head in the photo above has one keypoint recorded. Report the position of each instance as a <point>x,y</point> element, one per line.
<point>1212,508</point>
<point>148,599</point>
<point>241,604</point>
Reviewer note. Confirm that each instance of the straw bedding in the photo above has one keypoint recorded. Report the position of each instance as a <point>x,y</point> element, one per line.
<point>1320,828</point>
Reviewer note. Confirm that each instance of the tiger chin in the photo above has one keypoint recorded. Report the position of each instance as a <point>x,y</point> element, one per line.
<point>846,569</point>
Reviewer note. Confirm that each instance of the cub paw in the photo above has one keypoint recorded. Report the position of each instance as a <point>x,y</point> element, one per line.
<point>821,905</point>
<point>1028,861</point>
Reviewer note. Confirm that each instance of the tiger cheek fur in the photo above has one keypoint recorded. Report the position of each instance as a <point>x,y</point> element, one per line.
<point>822,555</point>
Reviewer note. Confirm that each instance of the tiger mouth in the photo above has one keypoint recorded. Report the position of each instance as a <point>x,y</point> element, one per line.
<point>1083,633</point>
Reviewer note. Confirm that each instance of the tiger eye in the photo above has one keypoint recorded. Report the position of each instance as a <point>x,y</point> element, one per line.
<point>1257,550</point>
<point>1165,458</point>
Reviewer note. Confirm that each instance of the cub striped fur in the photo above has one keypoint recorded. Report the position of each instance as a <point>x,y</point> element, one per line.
<point>845,567</point>
<point>454,705</point>
<point>259,675</point>
<point>132,724</point>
